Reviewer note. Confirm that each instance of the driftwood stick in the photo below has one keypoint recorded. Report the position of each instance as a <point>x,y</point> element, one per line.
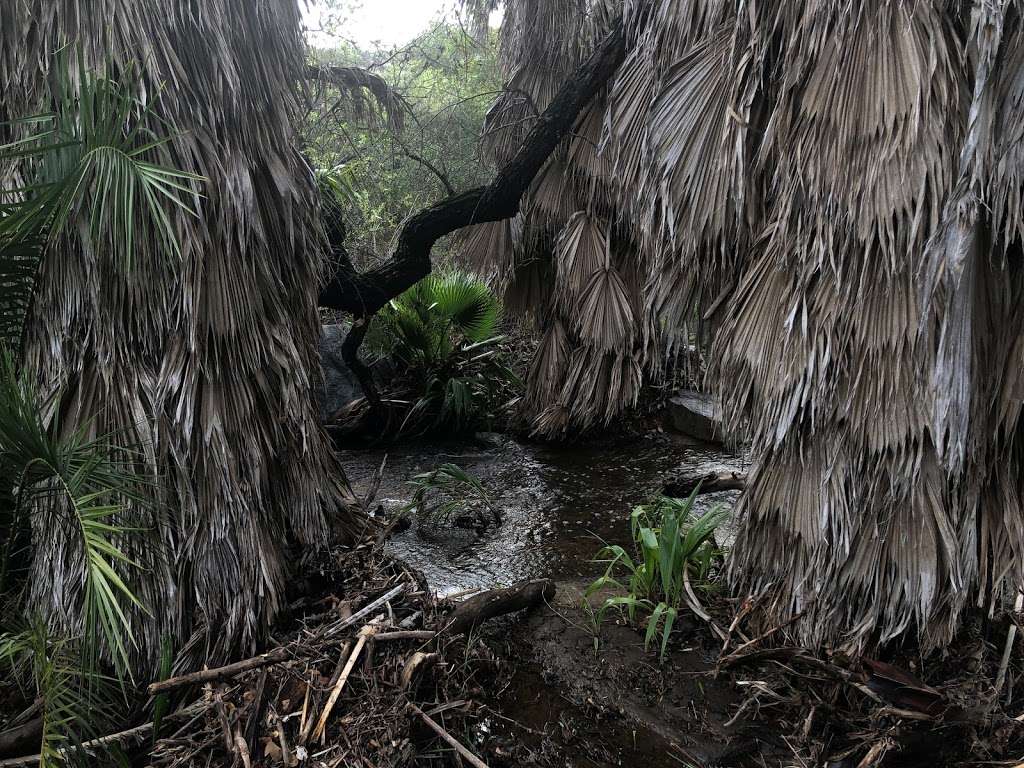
<point>464,753</point>
<point>227,672</point>
<point>877,752</point>
<point>737,654</point>
<point>225,724</point>
<point>286,751</point>
<point>421,635</point>
<point>304,719</point>
<point>242,749</point>
<point>419,660</point>
<point>1011,635</point>
<point>308,722</point>
<point>364,612</point>
<point>364,635</point>
<point>497,602</point>
<point>713,482</point>
<point>252,725</point>
<point>698,609</point>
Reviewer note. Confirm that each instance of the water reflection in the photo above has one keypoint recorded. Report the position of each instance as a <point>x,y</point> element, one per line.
<point>559,503</point>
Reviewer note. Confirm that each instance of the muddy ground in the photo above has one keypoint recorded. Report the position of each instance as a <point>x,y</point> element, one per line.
<point>602,699</point>
<point>572,694</point>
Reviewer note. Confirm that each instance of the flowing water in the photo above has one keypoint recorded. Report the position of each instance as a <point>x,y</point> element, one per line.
<point>559,502</point>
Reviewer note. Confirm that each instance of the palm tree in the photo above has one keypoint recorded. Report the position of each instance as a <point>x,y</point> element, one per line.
<point>835,189</point>
<point>193,342</point>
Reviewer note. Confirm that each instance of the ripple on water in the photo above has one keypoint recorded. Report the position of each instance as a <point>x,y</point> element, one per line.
<point>559,503</point>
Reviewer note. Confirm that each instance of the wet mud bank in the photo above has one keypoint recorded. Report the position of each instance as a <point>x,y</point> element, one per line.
<point>595,696</point>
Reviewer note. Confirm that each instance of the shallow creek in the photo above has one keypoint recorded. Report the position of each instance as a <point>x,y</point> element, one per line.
<point>559,502</point>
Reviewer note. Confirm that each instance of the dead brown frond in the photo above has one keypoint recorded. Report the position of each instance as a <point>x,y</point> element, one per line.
<point>834,191</point>
<point>352,86</point>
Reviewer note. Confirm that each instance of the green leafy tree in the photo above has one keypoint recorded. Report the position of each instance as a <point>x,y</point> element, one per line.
<point>446,79</point>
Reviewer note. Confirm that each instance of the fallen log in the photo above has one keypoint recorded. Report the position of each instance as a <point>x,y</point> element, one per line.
<point>713,482</point>
<point>498,602</point>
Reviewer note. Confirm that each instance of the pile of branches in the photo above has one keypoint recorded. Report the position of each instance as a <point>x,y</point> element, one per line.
<point>385,675</point>
<point>371,670</point>
<point>844,711</point>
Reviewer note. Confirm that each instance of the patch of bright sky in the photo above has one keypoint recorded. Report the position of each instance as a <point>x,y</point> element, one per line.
<point>388,22</point>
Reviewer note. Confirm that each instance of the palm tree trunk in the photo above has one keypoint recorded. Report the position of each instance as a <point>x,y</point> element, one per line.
<point>204,362</point>
<point>843,183</point>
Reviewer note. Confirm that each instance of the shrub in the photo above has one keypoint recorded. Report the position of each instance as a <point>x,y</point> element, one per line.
<point>442,336</point>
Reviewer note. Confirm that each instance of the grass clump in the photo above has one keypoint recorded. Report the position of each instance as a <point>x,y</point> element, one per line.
<point>673,548</point>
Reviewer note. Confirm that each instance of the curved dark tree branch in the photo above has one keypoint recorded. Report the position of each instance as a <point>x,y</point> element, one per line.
<point>363,293</point>
<point>441,175</point>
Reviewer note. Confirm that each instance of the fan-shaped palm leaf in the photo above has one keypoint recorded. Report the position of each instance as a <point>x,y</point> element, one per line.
<point>466,303</point>
<point>583,249</point>
<point>605,317</point>
<point>90,160</point>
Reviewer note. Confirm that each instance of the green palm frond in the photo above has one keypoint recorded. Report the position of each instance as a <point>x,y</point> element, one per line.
<point>418,323</point>
<point>467,303</point>
<point>337,185</point>
<point>77,704</point>
<point>445,490</point>
<point>84,484</point>
<point>93,159</point>
<point>443,335</point>
<point>19,263</point>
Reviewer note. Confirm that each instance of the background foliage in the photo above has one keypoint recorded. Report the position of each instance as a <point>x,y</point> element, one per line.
<point>447,78</point>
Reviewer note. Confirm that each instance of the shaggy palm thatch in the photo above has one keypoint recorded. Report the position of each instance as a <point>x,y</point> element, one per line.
<point>836,188</point>
<point>200,359</point>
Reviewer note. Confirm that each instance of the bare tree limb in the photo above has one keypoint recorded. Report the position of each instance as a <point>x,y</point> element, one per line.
<point>441,175</point>
<point>364,293</point>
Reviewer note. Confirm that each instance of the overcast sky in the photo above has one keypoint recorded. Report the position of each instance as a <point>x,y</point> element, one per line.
<point>392,22</point>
